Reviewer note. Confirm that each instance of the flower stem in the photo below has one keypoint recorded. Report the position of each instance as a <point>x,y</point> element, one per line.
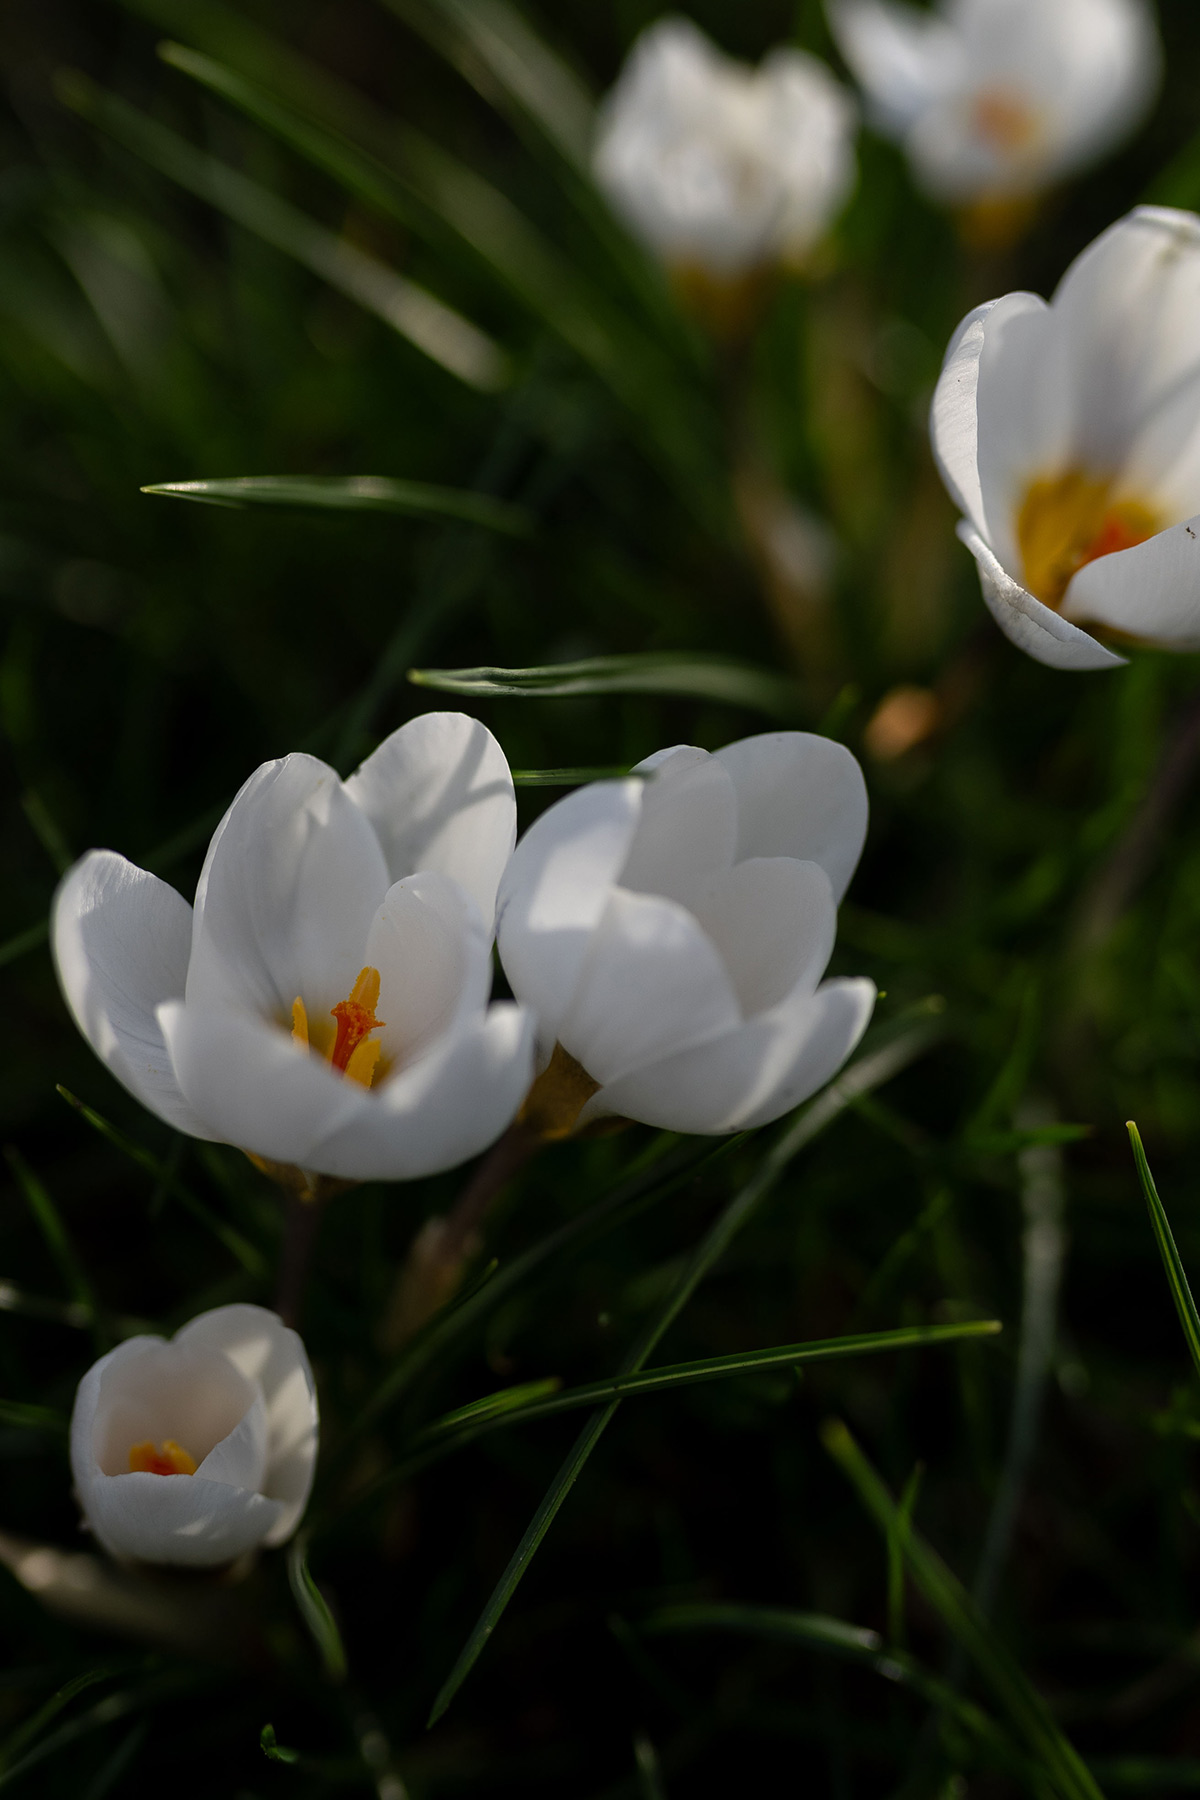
<point>302,1214</point>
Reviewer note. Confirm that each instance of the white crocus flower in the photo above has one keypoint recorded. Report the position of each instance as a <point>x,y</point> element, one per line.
<point>201,1449</point>
<point>718,167</point>
<point>1069,436</point>
<point>325,1005</point>
<point>996,99</point>
<point>670,933</point>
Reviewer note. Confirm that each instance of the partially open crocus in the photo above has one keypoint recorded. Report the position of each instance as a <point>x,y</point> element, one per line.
<point>1069,436</point>
<point>721,169</point>
<point>671,931</point>
<point>325,1005</point>
<point>995,100</point>
<point>197,1450</point>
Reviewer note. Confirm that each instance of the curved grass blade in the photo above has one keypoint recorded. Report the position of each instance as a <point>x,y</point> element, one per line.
<point>1177,1280</point>
<point>553,778</point>
<point>59,1244</point>
<point>314,1610</point>
<point>1028,1713</point>
<point>868,1072</point>
<point>442,334</point>
<point>700,676</point>
<point>22,1417</point>
<point>353,493</point>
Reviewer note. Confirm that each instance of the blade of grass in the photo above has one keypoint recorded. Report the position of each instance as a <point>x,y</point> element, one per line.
<point>314,1610</point>
<point>565,777</point>
<point>32,1418</point>
<point>1177,1280</point>
<point>869,1071</point>
<point>703,677</point>
<point>1027,1712</point>
<point>354,493</point>
<point>22,942</point>
<point>58,1242</point>
<point>32,1729</point>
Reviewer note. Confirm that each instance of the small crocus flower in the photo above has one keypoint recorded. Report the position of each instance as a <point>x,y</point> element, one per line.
<point>1068,435</point>
<point>998,99</point>
<point>671,932</point>
<point>721,169</point>
<point>325,1005</point>
<point>197,1450</point>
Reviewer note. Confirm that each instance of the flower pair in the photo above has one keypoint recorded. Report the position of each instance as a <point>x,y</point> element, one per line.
<point>325,1004</point>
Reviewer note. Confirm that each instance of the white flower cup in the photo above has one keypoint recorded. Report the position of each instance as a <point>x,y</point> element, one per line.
<point>670,933</point>
<point>719,167</point>
<point>325,1004</point>
<point>1068,434</point>
<point>196,1451</point>
<point>998,99</point>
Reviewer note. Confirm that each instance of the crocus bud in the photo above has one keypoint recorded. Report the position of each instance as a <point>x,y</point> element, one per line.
<point>671,931</point>
<point>1067,434</point>
<point>200,1449</point>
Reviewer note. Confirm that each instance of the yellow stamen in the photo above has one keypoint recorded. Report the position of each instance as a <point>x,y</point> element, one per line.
<point>349,1048</point>
<point>1068,520</point>
<point>300,1022</point>
<point>172,1459</point>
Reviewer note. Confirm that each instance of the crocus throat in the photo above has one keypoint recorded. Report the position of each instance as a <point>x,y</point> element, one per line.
<point>1068,520</point>
<point>351,1050</point>
<point>171,1459</point>
<point>1003,120</point>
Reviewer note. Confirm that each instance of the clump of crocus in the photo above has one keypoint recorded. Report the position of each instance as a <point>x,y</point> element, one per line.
<point>197,1450</point>
<point>324,1006</point>
<point>1069,435</point>
<point>722,170</point>
<point>996,100</point>
<point>671,930</point>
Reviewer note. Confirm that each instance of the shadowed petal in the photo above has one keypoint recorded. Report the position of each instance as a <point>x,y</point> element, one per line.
<point>800,796</point>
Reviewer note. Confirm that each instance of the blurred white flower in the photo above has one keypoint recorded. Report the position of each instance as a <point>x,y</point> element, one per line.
<point>325,1006</point>
<point>197,1450</point>
<point>994,99</point>
<point>1069,436</point>
<point>670,934</point>
<point>718,167</point>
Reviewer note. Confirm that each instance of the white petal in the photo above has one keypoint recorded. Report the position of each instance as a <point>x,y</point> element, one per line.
<point>432,952</point>
<point>148,1389</point>
<point>1027,407</point>
<point>121,940</point>
<point>440,796</point>
<point>652,983</point>
<point>1152,592</point>
<point>254,1087</point>
<point>178,1519</point>
<point>442,1109</point>
<point>293,878</point>
<point>903,58</point>
<point>1040,632</point>
<point>688,827</point>
<point>954,414</point>
<point>750,1075</point>
<point>773,921</point>
<point>240,1460</point>
<point>556,888</point>
<point>801,796</point>
<point>269,1353</point>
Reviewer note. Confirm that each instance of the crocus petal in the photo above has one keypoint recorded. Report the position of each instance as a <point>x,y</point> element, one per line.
<point>800,796</point>
<point>121,940</point>
<point>433,955</point>
<point>269,1353</point>
<point>1040,632</point>
<point>253,1086</point>
<point>903,58</point>
<point>1151,591</point>
<point>750,1075</point>
<point>146,1388</point>
<point>292,880</point>
<point>774,922</point>
<point>439,793</point>
<point>556,888</point>
<point>954,414</point>
<point>441,1109</point>
<point>179,1519</point>
<point>688,828</point>
<point>652,983</point>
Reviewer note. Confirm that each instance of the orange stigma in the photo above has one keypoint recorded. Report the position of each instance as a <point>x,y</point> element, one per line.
<point>351,1050</point>
<point>1065,521</point>
<point>172,1459</point>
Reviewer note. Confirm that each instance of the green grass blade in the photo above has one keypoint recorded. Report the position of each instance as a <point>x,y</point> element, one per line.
<point>554,778</point>
<point>354,493</point>
<point>22,942</point>
<point>437,330</point>
<point>314,1610</point>
<point>32,1729</point>
<point>1027,1712</point>
<point>32,1418</point>
<point>58,1242</point>
<point>1177,1280</point>
<point>702,677</point>
<point>869,1071</point>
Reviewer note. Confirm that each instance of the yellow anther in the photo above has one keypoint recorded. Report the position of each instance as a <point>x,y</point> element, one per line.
<point>346,1045</point>
<point>300,1022</point>
<point>1068,520</point>
<point>172,1459</point>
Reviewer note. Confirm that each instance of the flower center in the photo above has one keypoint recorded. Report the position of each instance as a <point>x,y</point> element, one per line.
<point>349,1048</point>
<point>1003,120</point>
<point>171,1459</point>
<point>1068,520</point>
